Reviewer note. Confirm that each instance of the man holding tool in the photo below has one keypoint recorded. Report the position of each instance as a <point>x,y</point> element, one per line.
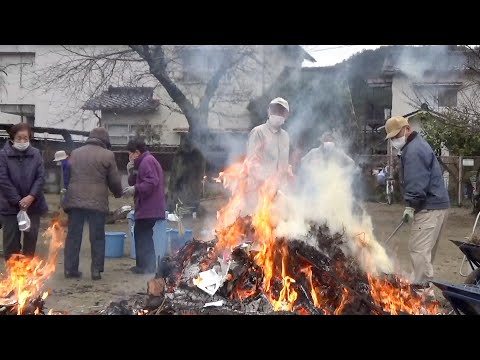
<point>425,195</point>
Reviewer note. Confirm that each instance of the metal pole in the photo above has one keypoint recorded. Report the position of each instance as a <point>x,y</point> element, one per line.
<point>460,175</point>
<point>390,149</point>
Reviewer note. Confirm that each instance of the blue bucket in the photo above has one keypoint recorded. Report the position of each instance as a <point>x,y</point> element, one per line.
<point>177,241</point>
<point>159,238</point>
<point>114,243</point>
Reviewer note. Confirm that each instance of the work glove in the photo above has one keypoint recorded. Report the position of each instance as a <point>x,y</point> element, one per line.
<point>63,191</point>
<point>129,191</point>
<point>408,214</point>
<point>130,167</point>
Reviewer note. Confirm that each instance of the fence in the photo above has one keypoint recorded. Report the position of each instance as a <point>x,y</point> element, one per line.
<point>458,172</point>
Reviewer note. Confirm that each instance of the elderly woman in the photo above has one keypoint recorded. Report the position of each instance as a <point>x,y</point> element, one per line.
<point>21,188</point>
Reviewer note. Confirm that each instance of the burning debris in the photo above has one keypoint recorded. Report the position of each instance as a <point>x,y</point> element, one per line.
<point>123,308</point>
<point>277,259</point>
<point>300,279</point>
<point>21,290</point>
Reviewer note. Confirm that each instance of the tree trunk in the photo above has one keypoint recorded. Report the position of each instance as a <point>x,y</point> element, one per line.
<point>188,169</point>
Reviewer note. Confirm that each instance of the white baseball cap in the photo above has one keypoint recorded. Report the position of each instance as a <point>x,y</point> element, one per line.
<point>281,101</point>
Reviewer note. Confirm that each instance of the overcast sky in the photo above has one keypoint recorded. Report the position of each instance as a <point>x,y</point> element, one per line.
<point>327,55</point>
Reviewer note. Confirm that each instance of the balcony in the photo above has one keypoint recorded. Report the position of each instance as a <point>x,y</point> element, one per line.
<point>377,116</point>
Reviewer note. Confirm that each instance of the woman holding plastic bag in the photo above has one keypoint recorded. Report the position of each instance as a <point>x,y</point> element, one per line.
<point>22,201</point>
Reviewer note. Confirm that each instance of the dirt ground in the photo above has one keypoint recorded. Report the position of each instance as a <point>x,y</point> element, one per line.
<point>84,296</point>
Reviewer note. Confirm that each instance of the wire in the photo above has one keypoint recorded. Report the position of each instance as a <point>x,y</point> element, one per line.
<point>330,48</point>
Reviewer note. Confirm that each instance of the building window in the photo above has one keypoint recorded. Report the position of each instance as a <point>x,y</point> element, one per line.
<point>122,134</point>
<point>447,97</point>
<point>118,134</point>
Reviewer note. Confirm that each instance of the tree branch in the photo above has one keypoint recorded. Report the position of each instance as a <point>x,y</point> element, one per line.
<point>156,62</point>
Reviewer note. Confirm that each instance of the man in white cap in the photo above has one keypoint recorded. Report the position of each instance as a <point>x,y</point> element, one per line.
<point>61,158</point>
<point>425,195</point>
<point>269,145</point>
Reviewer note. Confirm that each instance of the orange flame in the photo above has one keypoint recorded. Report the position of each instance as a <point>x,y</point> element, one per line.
<point>313,292</point>
<point>397,299</point>
<point>343,302</point>
<point>234,179</point>
<point>243,294</point>
<point>273,257</point>
<point>26,276</point>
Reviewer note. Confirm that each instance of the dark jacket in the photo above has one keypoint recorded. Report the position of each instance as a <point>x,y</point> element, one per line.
<point>149,187</point>
<point>21,173</point>
<point>422,177</point>
<point>66,172</point>
<point>93,171</point>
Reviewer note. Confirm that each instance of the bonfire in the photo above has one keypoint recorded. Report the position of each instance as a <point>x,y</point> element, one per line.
<point>263,268</point>
<point>22,288</point>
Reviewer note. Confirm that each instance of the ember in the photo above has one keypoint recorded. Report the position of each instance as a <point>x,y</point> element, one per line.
<point>21,291</point>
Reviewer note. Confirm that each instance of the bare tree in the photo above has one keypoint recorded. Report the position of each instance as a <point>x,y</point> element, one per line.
<point>87,71</point>
<point>3,73</point>
<point>453,126</point>
<point>463,113</point>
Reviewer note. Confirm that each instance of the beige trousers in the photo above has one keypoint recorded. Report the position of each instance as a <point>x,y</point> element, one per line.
<point>427,229</point>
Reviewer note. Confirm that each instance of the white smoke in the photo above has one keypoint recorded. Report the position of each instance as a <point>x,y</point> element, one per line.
<point>324,196</point>
<point>414,62</point>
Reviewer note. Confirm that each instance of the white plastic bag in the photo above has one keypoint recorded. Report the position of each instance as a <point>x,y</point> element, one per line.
<point>23,221</point>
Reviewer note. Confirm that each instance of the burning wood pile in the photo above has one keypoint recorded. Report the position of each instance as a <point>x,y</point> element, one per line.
<point>22,287</point>
<point>290,277</point>
<point>256,266</point>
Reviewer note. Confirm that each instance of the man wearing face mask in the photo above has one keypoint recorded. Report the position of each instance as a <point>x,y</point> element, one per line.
<point>327,150</point>
<point>269,145</point>
<point>21,188</point>
<point>425,195</point>
<point>329,153</point>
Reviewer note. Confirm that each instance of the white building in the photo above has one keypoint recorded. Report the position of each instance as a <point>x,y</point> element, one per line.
<point>437,77</point>
<point>433,78</point>
<point>21,101</point>
<point>60,105</point>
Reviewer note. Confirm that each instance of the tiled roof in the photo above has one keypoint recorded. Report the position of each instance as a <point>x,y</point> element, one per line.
<point>129,99</point>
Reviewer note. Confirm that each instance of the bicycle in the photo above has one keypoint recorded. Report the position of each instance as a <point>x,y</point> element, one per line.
<point>389,189</point>
<point>386,190</point>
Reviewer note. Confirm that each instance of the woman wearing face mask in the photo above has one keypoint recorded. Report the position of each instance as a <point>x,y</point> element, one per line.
<point>21,188</point>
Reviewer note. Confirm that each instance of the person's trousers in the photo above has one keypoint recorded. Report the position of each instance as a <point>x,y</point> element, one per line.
<point>144,246</point>
<point>12,236</point>
<point>73,242</point>
<point>427,230</point>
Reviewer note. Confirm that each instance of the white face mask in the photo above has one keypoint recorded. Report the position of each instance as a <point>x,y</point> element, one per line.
<point>21,146</point>
<point>276,121</point>
<point>328,145</point>
<point>399,143</point>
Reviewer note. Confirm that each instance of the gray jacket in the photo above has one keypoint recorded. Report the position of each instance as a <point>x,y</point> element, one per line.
<point>93,172</point>
<point>422,177</point>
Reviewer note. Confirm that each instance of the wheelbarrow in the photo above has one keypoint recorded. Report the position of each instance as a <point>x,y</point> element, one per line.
<point>464,299</point>
<point>471,253</point>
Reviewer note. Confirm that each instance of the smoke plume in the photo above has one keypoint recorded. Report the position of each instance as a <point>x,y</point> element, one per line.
<point>324,196</point>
